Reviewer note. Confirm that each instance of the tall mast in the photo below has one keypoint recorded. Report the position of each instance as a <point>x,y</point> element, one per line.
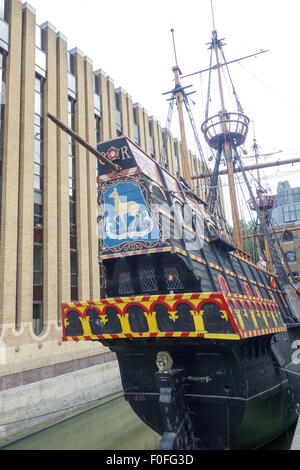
<point>261,204</point>
<point>227,149</point>
<point>180,102</point>
<point>224,133</point>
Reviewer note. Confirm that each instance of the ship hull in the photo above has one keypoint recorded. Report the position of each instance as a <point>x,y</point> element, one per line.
<point>245,400</point>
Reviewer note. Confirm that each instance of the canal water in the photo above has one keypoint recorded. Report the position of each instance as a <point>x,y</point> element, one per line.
<point>109,426</point>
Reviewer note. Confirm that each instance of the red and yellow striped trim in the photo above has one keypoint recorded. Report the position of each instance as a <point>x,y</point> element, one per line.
<point>260,312</point>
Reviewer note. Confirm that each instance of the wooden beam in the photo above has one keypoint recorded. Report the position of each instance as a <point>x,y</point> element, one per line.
<point>271,233</point>
<point>252,167</point>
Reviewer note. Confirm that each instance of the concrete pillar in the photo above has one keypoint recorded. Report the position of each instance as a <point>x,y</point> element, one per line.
<point>10,170</point>
<point>63,214</point>
<point>26,179</point>
<point>51,307</point>
<point>91,183</point>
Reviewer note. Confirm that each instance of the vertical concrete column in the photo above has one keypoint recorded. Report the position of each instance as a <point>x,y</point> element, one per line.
<point>26,174</point>
<point>81,182</point>
<point>50,180</point>
<point>155,138</point>
<point>166,136</point>
<point>146,132</point>
<point>104,129</point>
<point>123,108</point>
<point>140,122</point>
<point>63,211</point>
<point>130,118</point>
<point>91,182</point>
<point>10,170</point>
<point>111,108</point>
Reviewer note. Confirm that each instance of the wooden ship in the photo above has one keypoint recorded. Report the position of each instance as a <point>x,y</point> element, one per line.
<point>205,339</point>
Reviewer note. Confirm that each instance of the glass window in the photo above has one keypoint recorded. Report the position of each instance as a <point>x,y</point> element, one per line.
<point>97,129</point>
<point>291,213</point>
<point>72,205</point>
<point>38,321</point>
<point>119,120</point>
<point>287,236</point>
<point>71,63</point>
<point>38,281</point>
<point>97,103</point>
<point>72,85</point>
<point>136,134</point>
<point>2,9</point>
<point>291,256</point>
<point>152,148</point>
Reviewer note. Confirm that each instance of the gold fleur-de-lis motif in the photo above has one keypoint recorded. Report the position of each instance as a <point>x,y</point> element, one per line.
<point>103,319</point>
<point>173,316</point>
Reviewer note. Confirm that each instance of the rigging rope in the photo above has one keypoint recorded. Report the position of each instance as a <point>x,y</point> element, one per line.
<point>209,86</point>
<point>239,106</point>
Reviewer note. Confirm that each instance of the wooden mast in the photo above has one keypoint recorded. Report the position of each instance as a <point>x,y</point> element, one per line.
<point>179,102</point>
<point>261,205</point>
<point>227,149</point>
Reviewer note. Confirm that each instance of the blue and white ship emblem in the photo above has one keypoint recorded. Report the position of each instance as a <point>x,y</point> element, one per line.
<point>127,217</point>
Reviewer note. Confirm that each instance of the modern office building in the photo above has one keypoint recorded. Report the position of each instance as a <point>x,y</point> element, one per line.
<point>48,204</point>
<point>286,220</point>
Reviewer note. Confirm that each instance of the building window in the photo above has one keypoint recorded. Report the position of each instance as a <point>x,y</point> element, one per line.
<point>38,221</point>
<point>97,129</point>
<point>2,112</point>
<point>72,81</point>
<point>165,159</point>
<point>287,236</point>
<point>136,128</point>
<point>97,97</point>
<point>152,146</point>
<point>119,122</point>
<point>4,10</point>
<point>291,213</point>
<point>291,256</point>
<point>72,203</point>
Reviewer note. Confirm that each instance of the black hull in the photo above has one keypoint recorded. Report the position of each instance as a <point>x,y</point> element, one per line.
<point>250,400</point>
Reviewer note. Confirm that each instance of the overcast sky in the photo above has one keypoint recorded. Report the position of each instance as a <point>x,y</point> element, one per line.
<point>131,41</point>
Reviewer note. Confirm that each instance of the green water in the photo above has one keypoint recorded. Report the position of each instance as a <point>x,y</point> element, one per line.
<point>109,426</point>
